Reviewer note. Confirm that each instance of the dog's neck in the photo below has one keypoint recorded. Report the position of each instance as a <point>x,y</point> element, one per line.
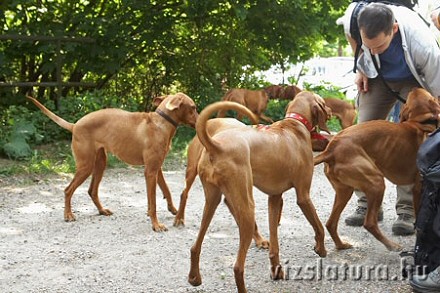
<point>166,117</point>
<point>301,119</point>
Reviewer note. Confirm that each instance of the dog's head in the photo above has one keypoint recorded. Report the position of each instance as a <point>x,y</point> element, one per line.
<point>274,91</point>
<point>291,91</point>
<point>421,107</point>
<point>311,106</point>
<point>179,107</point>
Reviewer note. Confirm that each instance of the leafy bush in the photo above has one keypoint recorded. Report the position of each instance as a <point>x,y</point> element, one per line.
<point>17,146</point>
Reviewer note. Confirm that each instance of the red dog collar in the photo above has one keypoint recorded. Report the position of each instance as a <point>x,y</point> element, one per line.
<point>301,119</point>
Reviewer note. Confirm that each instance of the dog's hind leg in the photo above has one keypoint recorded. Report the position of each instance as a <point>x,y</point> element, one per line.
<point>98,172</point>
<point>259,240</point>
<point>343,195</point>
<point>275,207</point>
<point>84,167</point>
<point>190,176</point>
<point>212,200</point>
<point>238,190</point>
<point>374,195</point>
<point>166,192</point>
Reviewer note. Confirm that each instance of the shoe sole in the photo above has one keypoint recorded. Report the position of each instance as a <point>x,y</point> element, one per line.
<point>420,289</point>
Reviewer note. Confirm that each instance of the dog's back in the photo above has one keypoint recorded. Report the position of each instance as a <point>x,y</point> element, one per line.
<point>380,142</point>
<point>255,100</point>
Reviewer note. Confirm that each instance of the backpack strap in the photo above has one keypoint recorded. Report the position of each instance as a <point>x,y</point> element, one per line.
<point>354,30</point>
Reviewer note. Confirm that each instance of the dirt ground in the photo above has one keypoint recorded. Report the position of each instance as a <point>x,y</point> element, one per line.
<point>39,252</point>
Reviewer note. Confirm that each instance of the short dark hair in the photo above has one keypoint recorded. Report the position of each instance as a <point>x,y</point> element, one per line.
<point>376,18</point>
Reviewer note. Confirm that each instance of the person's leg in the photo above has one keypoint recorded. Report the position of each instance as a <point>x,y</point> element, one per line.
<point>372,105</point>
<point>404,225</point>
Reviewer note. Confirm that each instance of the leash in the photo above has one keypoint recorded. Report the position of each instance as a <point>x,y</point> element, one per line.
<point>167,118</point>
<point>393,92</point>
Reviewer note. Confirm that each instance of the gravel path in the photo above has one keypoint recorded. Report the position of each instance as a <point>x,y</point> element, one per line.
<point>39,252</point>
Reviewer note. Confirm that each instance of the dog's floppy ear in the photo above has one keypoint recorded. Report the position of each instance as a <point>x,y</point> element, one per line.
<point>174,102</point>
<point>158,100</point>
<point>321,113</point>
<point>404,113</point>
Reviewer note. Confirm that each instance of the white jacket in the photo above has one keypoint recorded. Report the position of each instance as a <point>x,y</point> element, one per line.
<point>422,53</point>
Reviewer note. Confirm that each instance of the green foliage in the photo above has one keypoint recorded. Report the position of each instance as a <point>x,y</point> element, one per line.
<point>17,146</point>
<point>142,49</point>
<point>146,48</point>
<point>18,132</point>
<point>326,90</point>
<point>276,109</point>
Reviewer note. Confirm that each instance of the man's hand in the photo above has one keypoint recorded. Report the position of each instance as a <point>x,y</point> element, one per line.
<point>362,82</point>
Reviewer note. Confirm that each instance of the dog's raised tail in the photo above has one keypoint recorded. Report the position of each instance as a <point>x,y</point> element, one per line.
<point>207,112</point>
<point>58,120</point>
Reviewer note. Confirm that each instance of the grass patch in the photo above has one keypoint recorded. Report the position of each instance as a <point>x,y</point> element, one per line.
<point>57,158</point>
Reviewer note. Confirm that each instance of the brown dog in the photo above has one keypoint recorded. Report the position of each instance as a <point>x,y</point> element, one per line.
<point>360,156</point>
<point>282,92</point>
<point>291,91</point>
<point>275,91</point>
<point>343,110</point>
<point>237,158</point>
<point>135,138</point>
<point>256,101</point>
<point>194,153</point>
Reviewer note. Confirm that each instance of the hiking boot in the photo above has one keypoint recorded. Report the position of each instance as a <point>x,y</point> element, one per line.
<point>404,225</point>
<point>426,283</point>
<point>358,217</point>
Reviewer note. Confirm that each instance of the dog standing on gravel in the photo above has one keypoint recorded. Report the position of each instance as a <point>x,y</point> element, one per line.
<point>136,138</point>
<point>273,159</point>
<point>361,156</point>
<point>195,149</point>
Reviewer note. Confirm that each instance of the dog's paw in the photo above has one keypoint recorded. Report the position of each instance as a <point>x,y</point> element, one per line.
<point>321,251</point>
<point>179,222</point>
<point>105,212</point>
<point>159,227</point>
<point>195,280</point>
<point>394,247</point>
<point>69,217</point>
<point>344,245</point>
<point>277,273</point>
<point>263,243</point>
<point>172,210</point>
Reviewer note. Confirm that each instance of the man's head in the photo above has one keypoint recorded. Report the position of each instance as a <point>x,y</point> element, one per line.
<point>377,27</point>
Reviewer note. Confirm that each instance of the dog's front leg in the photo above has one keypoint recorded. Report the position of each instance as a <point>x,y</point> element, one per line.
<point>151,181</point>
<point>166,192</point>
